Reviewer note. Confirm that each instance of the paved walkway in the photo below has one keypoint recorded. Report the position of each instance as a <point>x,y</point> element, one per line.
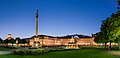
<point>9,51</point>
<point>117,53</point>
<point>5,52</point>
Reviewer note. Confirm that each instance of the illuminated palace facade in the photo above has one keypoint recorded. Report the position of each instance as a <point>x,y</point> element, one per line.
<point>44,40</point>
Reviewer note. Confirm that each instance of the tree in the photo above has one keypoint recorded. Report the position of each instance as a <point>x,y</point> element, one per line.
<point>11,41</point>
<point>1,41</point>
<point>118,2</point>
<point>110,28</point>
<point>18,39</point>
<point>24,41</point>
<point>99,38</point>
<point>6,42</point>
<point>117,28</point>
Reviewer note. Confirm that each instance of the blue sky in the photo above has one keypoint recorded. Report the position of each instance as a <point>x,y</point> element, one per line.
<point>56,17</point>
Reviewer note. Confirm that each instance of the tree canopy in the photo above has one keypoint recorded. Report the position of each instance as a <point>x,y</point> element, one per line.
<point>119,2</point>
<point>109,30</point>
<point>1,41</point>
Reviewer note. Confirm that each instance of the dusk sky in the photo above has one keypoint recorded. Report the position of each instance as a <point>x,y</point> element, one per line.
<point>56,17</point>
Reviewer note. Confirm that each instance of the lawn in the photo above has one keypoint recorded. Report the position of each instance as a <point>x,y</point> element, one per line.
<point>83,53</point>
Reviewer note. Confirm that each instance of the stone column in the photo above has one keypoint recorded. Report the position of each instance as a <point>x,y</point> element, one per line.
<point>36,23</point>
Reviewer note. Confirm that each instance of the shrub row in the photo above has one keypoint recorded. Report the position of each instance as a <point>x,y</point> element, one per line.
<point>87,47</point>
<point>10,47</point>
<point>36,51</point>
<point>29,52</point>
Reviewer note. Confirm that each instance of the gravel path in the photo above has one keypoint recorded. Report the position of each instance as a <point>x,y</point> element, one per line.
<point>9,51</point>
<point>117,53</point>
<point>5,52</point>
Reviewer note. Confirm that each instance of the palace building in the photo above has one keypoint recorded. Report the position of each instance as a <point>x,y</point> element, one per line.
<point>44,40</point>
<point>69,40</point>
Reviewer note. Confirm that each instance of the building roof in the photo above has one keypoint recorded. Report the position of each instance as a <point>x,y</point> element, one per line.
<point>63,37</point>
<point>75,36</point>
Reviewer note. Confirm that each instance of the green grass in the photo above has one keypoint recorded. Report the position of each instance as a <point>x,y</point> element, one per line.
<point>83,53</point>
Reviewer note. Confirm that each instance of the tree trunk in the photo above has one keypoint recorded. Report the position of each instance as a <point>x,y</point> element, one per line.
<point>118,43</point>
<point>105,45</point>
<point>110,44</point>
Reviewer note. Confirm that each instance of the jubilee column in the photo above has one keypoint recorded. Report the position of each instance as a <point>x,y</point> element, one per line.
<point>36,23</point>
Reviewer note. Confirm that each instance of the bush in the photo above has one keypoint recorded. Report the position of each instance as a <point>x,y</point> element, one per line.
<point>10,47</point>
<point>87,47</point>
<point>30,52</point>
